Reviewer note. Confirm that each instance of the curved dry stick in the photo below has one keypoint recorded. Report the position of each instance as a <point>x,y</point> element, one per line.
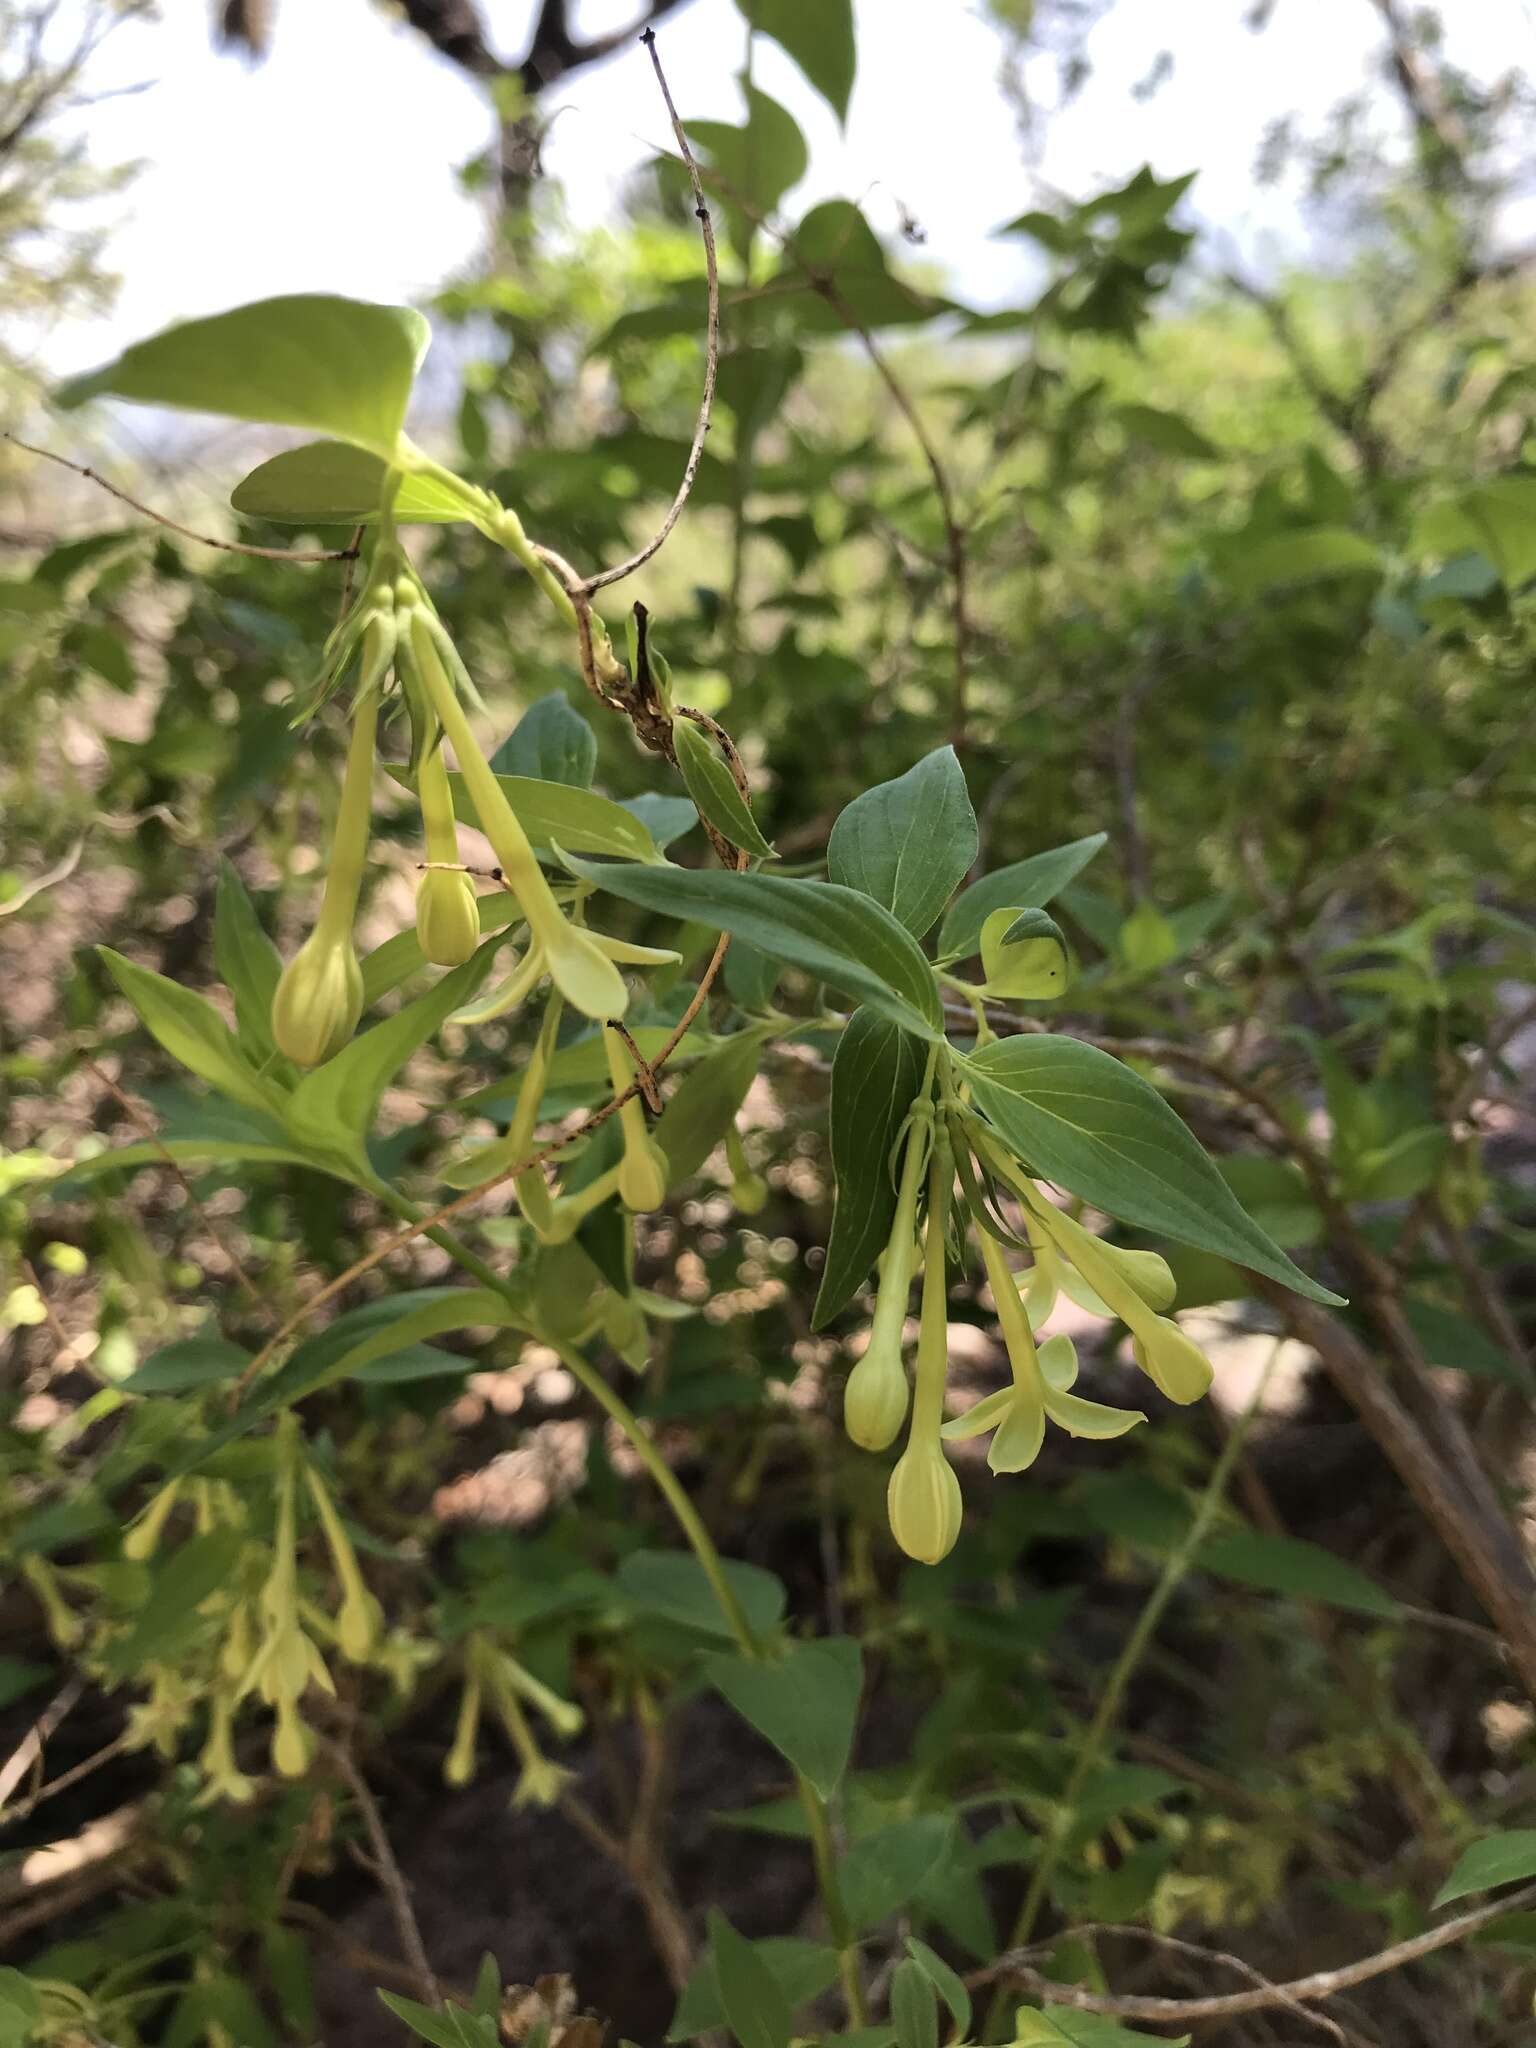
<point>592,584</point>
<point>1226,2005</point>
<point>228,547</point>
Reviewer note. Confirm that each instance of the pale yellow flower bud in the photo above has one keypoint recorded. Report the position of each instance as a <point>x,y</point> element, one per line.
<point>319,999</point>
<point>923,1502</point>
<point>447,917</point>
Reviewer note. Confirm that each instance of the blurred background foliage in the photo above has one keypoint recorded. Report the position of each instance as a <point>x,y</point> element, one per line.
<point>1245,580</point>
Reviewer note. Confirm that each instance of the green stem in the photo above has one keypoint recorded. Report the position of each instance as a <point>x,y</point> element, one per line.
<point>1107,1713</point>
<point>349,844</point>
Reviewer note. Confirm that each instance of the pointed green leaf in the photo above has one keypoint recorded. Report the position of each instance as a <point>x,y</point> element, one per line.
<point>342,367</point>
<point>555,814</point>
<point>200,1361</point>
<point>1313,555</point>
<point>1505,1858</point>
<point>756,2010</point>
<point>835,934</point>
<point>876,1073</point>
<point>819,38</point>
<point>333,483</point>
<point>704,1102</point>
<point>713,788</point>
<point>1027,885</point>
<point>1076,1116</point>
<point>551,742</point>
<point>672,1583</point>
<point>806,1704</point>
<point>192,1031</point>
<point>249,964</point>
<point>802,1970</point>
<point>914,2007</point>
<point>1289,1564</point>
<point>950,1987</point>
<point>908,843</point>
<point>884,1870</point>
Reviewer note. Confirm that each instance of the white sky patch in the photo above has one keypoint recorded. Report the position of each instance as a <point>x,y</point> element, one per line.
<point>332,166</point>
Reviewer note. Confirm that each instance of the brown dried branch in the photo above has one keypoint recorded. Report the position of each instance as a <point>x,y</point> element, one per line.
<point>1322,1984</point>
<point>387,1870</point>
<point>228,547</point>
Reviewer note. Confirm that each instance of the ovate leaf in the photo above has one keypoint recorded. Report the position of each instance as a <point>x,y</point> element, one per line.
<point>806,1704</point>
<point>704,1102</point>
<point>819,38</point>
<point>908,843</point>
<point>342,367</point>
<point>834,934</point>
<point>756,2010</point>
<point>1311,556</point>
<point>1078,1117</point>
<point>713,788</point>
<point>1288,1564</point>
<point>802,1970</point>
<point>876,1073</point>
<point>551,742</point>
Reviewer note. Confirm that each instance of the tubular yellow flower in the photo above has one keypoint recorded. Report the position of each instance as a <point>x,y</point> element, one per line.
<point>579,968</point>
<point>143,1538</point>
<point>923,1500</point>
<point>459,1764</point>
<point>319,997</point>
<point>643,1169</point>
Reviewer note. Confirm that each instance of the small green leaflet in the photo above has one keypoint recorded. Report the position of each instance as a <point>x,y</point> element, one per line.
<point>756,2009</point>
<point>672,1583</point>
<point>704,1102</point>
<point>1074,1115</point>
<point>914,2006</point>
<point>249,964</point>
<point>884,1870</point>
<point>806,1703</point>
<point>801,1969</point>
<point>551,813</point>
<point>908,843</point>
<point>1027,885</point>
<point>444,2026</point>
<point>713,788</point>
<point>876,1073</point>
<point>835,934</point>
<point>342,367</point>
<point>332,483</point>
<point>1313,555</point>
<point>1289,1564</point>
<point>820,39</point>
<point>1505,1858</point>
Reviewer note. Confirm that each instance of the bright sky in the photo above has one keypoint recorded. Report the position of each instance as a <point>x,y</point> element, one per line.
<point>332,165</point>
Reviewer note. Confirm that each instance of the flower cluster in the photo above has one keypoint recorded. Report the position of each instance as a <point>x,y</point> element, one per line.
<point>940,1149</point>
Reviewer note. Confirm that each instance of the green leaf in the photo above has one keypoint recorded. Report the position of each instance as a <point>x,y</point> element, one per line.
<point>1078,1117</point>
<point>672,1583</point>
<point>756,2009</point>
<point>201,1361</point>
<point>553,813</point>
<point>1027,885</point>
<point>388,1334</point>
<point>945,1981</point>
<point>761,159</point>
<point>332,483</point>
<point>713,788</point>
<point>1169,432</point>
<point>551,742</point>
<point>704,1102</point>
<point>249,964</point>
<point>445,2026</point>
<point>1083,2030</point>
<point>1311,556</point>
<point>387,966</point>
<point>884,1870</point>
<point>801,1969</point>
<point>832,933</point>
<point>665,817</point>
<point>1023,956</point>
<point>908,843</point>
<point>21,2008</point>
<point>332,1108</point>
<point>1496,519</point>
<point>806,1704</point>
<point>1287,1564</point>
<point>340,366</point>
<point>192,1031</point>
<point>169,1622</point>
<point>876,1073</point>
<point>820,39</point>
<point>914,2006</point>
<point>1498,1859</point>
<point>1452,1340</point>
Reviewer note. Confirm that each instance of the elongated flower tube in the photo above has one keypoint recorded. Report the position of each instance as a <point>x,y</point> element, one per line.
<point>447,908</point>
<point>876,1398</point>
<point>643,1169</point>
<point>582,972</point>
<point>319,997</point>
<point>459,1764</point>
<point>1173,1362</point>
<point>359,1619</point>
<point>923,1500</point>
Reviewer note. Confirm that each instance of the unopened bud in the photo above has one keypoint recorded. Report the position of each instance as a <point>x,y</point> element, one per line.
<point>923,1502</point>
<point>447,917</point>
<point>1172,1361</point>
<point>319,1000</point>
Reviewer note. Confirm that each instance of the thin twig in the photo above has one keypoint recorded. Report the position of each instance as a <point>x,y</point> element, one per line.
<point>29,1750</point>
<point>592,584</point>
<point>228,547</point>
<point>1299,1991</point>
<point>388,1873</point>
<point>65,1779</point>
